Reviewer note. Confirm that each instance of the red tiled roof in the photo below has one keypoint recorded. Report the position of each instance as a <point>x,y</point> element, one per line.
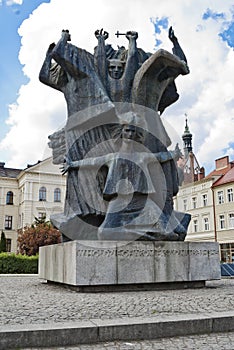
<point>219,172</point>
<point>226,178</point>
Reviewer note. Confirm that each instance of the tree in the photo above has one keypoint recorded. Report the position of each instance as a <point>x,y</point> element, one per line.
<point>30,238</point>
<point>3,247</point>
<point>41,220</point>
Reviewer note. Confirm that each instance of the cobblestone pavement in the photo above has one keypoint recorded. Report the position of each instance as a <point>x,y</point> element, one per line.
<point>218,341</point>
<point>27,300</point>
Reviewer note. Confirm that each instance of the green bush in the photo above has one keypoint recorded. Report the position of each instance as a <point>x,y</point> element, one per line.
<point>17,263</point>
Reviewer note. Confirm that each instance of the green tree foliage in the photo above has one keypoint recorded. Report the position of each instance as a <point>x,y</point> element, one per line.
<point>30,238</point>
<point>3,243</point>
<point>41,220</point>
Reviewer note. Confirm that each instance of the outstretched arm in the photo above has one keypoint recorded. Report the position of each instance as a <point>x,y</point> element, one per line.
<point>100,60</point>
<point>177,50</point>
<point>169,155</point>
<point>163,157</point>
<point>87,162</point>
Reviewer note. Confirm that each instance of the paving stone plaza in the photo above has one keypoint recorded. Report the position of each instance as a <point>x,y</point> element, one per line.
<point>28,301</point>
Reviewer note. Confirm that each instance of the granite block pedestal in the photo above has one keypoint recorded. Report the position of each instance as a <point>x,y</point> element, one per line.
<point>91,265</point>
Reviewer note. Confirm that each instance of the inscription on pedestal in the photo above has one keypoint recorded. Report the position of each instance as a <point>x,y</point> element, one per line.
<point>144,253</point>
<point>112,263</point>
<point>95,253</point>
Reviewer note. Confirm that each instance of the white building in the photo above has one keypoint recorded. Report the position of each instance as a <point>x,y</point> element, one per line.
<point>25,194</point>
<point>196,199</point>
<point>209,200</point>
<point>223,194</point>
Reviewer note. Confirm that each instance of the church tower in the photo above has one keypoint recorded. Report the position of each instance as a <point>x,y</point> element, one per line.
<point>187,139</point>
<point>192,170</point>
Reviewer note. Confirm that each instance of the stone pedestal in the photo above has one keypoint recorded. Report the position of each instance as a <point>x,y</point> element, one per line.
<point>109,263</point>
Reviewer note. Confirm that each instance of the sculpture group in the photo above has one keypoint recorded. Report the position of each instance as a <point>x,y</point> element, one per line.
<point>121,177</point>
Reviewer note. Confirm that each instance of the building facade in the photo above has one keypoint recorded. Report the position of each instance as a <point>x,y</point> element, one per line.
<point>223,196</point>
<point>209,199</point>
<point>37,191</point>
<point>196,199</point>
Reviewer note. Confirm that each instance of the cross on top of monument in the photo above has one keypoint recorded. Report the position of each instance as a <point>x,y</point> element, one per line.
<point>118,33</point>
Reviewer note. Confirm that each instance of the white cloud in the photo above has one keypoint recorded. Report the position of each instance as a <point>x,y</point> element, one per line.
<point>205,95</point>
<point>14,2</point>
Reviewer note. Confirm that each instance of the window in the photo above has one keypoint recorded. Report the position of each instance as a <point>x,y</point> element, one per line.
<point>57,195</point>
<point>220,197</point>
<point>206,224</point>
<point>42,194</point>
<point>194,202</point>
<point>195,225</point>
<point>221,222</point>
<point>231,220</point>
<point>230,195</point>
<point>8,222</point>
<point>185,204</point>
<point>204,199</point>
<point>9,197</point>
<point>8,245</point>
<point>227,252</point>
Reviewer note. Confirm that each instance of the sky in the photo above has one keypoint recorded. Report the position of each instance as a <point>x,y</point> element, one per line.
<point>30,111</point>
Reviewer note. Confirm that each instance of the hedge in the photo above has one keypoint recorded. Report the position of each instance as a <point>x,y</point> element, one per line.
<point>17,263</point>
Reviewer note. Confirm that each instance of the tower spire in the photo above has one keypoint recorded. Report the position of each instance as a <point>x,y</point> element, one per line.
<point>187,138</point>
<point>192,170</point>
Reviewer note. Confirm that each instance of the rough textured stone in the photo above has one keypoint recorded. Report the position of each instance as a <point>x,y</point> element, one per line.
<point>93,263</point>
<point>121,176</point>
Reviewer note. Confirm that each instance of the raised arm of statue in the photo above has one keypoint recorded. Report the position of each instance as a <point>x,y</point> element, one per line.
<point>70,57</point>
<point>177,50</point>
<point>100,59</point>
<point>52,74</point>
<point>132,63</point>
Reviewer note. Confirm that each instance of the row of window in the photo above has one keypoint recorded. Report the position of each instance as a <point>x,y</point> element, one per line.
<point>224,223</point>
<point>220,199</point>
<point>42,195</point>
<point>220,195</point>
<point>205,223</point>
<point>194,202</point>
<point>43,191</point>
<point>229,223</point>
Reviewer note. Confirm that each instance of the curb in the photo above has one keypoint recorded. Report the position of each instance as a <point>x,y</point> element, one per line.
<point>97,330</point>
<point>19,275</point>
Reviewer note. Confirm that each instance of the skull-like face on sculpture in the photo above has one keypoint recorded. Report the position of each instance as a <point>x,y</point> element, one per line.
<point>116,68</point>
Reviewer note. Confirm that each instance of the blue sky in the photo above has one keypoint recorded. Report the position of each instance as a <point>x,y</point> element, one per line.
<point>11,75</point>
<point>30,111</point>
